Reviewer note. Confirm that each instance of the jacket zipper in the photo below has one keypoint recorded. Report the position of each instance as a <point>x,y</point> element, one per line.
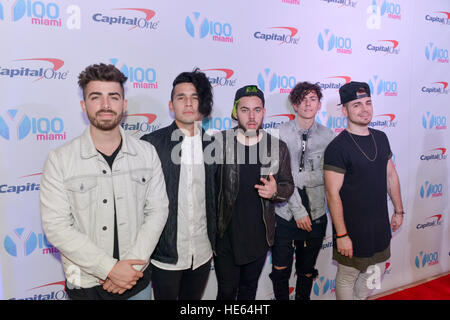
<point>264,220</point>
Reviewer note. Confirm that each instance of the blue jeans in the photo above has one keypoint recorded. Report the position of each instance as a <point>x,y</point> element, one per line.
<point>144,294</point>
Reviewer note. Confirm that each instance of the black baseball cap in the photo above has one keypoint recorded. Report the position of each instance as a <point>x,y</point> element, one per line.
<point>353,90</point>
<point>246,91</point>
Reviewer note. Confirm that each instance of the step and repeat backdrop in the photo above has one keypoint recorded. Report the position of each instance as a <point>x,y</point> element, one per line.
<point>401,48</point>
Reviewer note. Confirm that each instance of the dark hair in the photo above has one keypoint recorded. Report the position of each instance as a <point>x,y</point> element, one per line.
<point>203,87</point>
<point>101,72</point>
<point>302,89</point>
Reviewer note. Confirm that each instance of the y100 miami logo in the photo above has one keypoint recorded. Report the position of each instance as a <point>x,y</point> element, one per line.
<point>383,121</point>
<point>324,286</point>
<point>22,242</point>
<point>382,9</point>
<point>40,13</point>
<point>220,77</point>
<point>432,121</point>
<point>328,41</point>
<point>379,86</point>
<point>140,123</point>
<point>294,2</point>
<point>134,18</point>
<point>335,83</point>
<point>335,123</point>
<point>141,77</point>
<point>431,190</point>
<point>215,124</point>
<point>430,222</point>
<point>269,81</point>
<point>441,17</point>
<point>425,259</point>
<point>281,35</point>
<point>384,46</point>
<point>36,69</point>
<point>200,27</point>
<point>439,87</point>
<point>435,54</point>
<point>435,154</point>
<point>16,125</point>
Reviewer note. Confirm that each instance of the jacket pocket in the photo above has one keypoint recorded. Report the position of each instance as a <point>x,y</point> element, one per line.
<point>314,161</point>
<point>141,180</point>
<point>82,192</point>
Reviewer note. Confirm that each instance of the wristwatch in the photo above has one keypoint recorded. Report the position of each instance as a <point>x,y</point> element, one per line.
<point>274,195</point>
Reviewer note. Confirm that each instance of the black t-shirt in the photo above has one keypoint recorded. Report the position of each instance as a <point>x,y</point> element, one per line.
<point>97,292</point>
<point>247,231</point>
<point>364,190</point>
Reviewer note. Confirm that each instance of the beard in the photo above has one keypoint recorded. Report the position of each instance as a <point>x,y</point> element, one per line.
<point>249,132</point>
<point>105,125</point>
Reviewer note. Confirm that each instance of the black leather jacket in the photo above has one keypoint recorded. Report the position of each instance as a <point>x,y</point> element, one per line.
<point>278,162</point>
<point>166,249</point>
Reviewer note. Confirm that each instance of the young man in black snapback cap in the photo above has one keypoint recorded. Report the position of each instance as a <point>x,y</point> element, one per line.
<point>255,173</point>
<point>358,172</point>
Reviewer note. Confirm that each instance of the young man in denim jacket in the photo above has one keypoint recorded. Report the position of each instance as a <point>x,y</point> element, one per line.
<point>301,221</point>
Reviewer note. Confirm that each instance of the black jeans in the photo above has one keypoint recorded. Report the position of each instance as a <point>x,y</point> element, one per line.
<point>306,252</point>
<point>180,284</point>
<point>237,281</point>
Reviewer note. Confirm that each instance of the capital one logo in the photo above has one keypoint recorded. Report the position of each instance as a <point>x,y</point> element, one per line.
<point>424,259</point>
<point>323,285</point>
<point>432,121</point>
<point>334,84</point>
<point>328,41</point>
<point>136,22</point>
<point>41,72</point>
<point>435,154</point>
<point>443,18</point>
<point>385,87</point>
<point>432,221</point>
<point>220,77</point>
<point>384,121</point>
<point>440,87</point>
<point>20,243</point>
<point>268,81</point>
<point>139,123</point>
<point>429,189</point>
<point>435,54</point>
<point>199,27</point>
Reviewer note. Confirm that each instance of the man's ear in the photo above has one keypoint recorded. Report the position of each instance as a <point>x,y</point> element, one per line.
<point>344,111</point>
<point>83,106</point>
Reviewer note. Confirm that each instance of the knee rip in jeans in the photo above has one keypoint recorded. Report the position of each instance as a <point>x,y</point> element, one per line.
<point>280,274</point>
<point>310,275</point>
<point>279,268</point>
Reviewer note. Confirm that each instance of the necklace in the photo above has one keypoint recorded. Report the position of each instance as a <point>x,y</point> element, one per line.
<point>374,142</point>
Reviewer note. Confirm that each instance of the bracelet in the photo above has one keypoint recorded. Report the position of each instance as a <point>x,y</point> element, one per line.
<point>274,195</point>
<point>338,236</point>
<point>399,212</point>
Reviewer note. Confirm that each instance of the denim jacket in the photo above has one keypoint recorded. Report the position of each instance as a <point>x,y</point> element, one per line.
<point>78,194</point>
<point>319,137</point>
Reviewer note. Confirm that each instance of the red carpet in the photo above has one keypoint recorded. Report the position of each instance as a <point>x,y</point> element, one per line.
<point>437,289</point>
